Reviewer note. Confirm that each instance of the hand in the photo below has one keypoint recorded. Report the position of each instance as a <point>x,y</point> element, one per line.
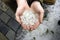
<point>22,5</point>
<point>33,27</point>
<point>36,6</point>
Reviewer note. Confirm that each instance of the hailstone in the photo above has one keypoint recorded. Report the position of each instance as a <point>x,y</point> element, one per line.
<point>29,17</point>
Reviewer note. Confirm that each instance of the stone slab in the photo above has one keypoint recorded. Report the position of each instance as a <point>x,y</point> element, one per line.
<point>4,17</point>
<point>13,24</point>
<point>3,28</point>
<point>2,37</point>
<point>10,35</point>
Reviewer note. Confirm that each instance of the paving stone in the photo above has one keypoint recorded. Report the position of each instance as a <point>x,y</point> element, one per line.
<point>2,37</point>
<point>6,9</point>
<point>1,12</point>
<point>19,31</point>
<point>3,6</point>
<point>20,34</point>
<point>4,17</point>
<point>10,35</point>
<point>3,28</point>
<point>10,12</point>
<point>20,37</point>
<point>13,24</point>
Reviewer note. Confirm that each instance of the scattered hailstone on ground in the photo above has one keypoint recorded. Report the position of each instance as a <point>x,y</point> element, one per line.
<point>46,26</point>
<point>29,17</point>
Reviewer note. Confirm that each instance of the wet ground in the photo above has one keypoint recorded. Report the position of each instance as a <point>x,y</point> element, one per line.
<point>11,30</point>
<point>49,29</point>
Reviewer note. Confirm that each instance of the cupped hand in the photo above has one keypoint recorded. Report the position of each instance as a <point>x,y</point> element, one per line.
<point>36,6</point>
<point>20,9</point>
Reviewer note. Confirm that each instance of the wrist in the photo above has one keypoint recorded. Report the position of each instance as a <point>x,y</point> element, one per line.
<point>21,2</point>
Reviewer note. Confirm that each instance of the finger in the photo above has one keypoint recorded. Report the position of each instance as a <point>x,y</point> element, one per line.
<point>24,26</point>
<point>18,14</point>
<point>31,27</point>
<point>28,28</point>
<point>40,11</point>
<point>18,19</point>
<point>36,24</point>
<point>41,16</point>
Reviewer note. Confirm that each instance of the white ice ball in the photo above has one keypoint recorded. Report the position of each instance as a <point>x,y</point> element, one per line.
<point>29,17</point>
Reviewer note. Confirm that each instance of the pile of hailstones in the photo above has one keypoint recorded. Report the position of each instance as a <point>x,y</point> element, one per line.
<point>29,17</point>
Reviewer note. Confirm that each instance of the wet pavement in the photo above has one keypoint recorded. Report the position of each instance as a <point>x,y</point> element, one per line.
<point>8,24</point>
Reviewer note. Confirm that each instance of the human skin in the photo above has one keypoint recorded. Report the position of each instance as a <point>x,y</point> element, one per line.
<point>35,6</point>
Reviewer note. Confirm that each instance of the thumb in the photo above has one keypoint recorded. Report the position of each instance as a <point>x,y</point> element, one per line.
<point>41,16</point>
<point>17,16</point>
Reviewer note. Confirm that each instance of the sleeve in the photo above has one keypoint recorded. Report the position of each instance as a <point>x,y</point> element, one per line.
<point>49,2</point>
<point>41,1</point>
